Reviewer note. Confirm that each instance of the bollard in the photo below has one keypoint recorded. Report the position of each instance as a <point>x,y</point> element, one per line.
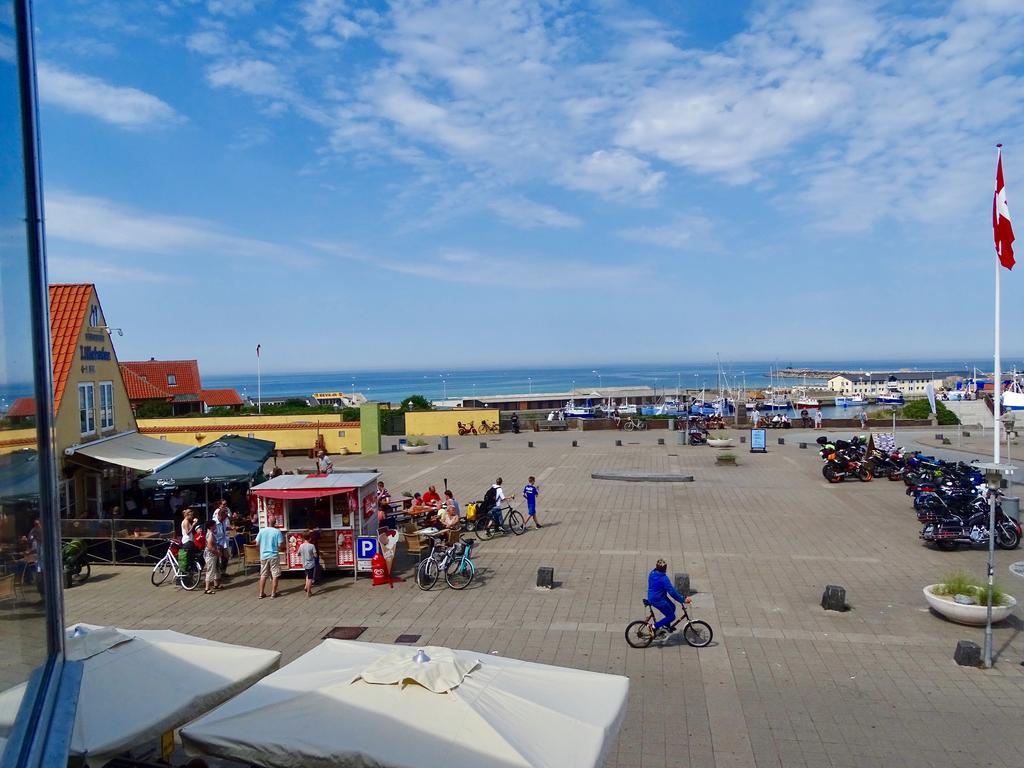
<point>938,436</point>
<point>967,654</point>
<point>833,598</point>
<point>968,434</point>
<point>444,443</point>
<point>743,438</point>
<point>803,445</point>
<point>661,441</point>
<point>394,447</point>
<point>682,583</point>
<point>574,444</point>
<point>782,441</point>
<point>529,444</point>
<point>483,444</point>
<point>545,577</point>
<point>618,443</point>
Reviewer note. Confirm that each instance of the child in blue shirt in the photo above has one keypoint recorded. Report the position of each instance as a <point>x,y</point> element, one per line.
<point>530,493</point>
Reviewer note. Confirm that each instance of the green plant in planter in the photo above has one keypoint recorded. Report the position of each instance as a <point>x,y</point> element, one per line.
<point>720,435</point>
<point>725,458</point>
<point>413,442</point>
<point>962,583</point>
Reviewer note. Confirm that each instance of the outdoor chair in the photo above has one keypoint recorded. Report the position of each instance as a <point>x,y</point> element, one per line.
<point>8,587</point>
<point>250,557</point>
<point>415,544</point>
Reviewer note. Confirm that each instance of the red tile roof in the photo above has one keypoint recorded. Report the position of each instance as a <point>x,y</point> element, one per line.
<point>69,304</point>
<point>185,372</point>
<point>22,407</point>
<point>221,397</point>
<point>241,427</point>
<point>140,389</point>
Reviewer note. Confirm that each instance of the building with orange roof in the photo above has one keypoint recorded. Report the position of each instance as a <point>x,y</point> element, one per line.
<point>177,384</point>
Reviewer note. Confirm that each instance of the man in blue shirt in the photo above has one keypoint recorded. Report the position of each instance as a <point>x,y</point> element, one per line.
<point>269,540</point>
<point>530,493</point>
<point>659,589</point>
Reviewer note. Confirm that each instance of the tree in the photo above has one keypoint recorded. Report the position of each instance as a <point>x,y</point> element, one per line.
<point>416,403</point>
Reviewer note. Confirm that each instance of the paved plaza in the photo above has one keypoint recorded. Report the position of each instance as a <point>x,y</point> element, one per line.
<point>783,684</point>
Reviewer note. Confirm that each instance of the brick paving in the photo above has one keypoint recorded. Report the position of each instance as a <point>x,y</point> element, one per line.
<point>784,684</point>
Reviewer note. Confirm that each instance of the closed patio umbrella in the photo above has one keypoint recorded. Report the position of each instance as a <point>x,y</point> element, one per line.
<point>360,704</point>
<point>139,683</point>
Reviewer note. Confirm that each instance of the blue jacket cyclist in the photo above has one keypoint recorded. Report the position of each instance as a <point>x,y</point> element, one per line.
<point>659,589</point>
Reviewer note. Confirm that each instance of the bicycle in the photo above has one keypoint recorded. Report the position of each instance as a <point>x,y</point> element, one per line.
<point>168,564</point>
<point>488,429</point>
<point>640,633</point>
<point>455,561</point>
<point>631,424</point>
<point>487,527</point>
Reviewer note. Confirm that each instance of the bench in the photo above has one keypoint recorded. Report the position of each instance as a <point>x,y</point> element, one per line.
<point>552,426</point>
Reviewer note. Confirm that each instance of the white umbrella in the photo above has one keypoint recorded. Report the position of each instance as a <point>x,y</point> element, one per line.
<point>139,683</point>
<point>369,705</point>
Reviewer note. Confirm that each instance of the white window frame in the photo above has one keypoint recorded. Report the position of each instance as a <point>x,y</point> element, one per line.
<point>87,406</point>
<point>172,380</point>
<point>106,405</point>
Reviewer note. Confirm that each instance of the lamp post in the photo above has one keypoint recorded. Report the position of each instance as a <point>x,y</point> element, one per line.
<point>529,383</point>
<point>600,384</point>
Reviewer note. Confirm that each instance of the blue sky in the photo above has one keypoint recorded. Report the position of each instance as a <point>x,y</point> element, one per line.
<point>364,185</point>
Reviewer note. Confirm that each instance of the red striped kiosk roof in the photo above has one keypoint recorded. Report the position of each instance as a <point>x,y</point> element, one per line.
<point>314,486</point>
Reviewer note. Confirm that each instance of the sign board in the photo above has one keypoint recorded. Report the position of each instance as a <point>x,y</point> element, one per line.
<point>293,541</point>
<point>759,441</point>
<point>346,548</point>
<point>1017,569</point>
<point>366,548</point>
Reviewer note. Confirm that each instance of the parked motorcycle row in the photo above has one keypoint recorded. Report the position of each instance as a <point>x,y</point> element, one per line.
<point>951,498</point>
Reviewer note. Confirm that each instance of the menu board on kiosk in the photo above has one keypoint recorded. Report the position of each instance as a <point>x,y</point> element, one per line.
<point>293,541</point>
<point>346,548</point>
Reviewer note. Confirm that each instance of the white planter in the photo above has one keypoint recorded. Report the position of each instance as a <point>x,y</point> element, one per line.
<point>974,615</point>
<point>725,442</point>
<point>415,448</point>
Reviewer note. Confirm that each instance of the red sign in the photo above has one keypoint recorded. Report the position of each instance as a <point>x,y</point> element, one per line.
<point>346,548</point>
<point>294,540</point>
<point>369,505</point>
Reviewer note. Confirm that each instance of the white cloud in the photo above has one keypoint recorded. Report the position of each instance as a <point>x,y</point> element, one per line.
<point>231,7</point>
<point>691,232</point>
<point>105,224</point>
<point>122,106</point>
<point>208,41</point>
<point>614,173</point>
<point>529,215</point>
<point>252,76</point>
<point>73,269</point>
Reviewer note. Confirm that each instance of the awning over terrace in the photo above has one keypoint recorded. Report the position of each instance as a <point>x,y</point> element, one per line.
<point>132,450</point>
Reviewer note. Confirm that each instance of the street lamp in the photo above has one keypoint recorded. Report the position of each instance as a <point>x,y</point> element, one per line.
<point>444,385</point>
<point>600,385</point>
<point>529,382</point>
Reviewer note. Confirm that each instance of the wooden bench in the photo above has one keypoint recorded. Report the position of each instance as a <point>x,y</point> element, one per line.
<point>552,426</point>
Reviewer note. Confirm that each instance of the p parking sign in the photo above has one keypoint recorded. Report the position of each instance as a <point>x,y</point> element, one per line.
<point>366,548</point>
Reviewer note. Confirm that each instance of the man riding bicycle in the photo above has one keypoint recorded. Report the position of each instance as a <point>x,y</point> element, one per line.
<point>659,589</point>
<point>493,500</point>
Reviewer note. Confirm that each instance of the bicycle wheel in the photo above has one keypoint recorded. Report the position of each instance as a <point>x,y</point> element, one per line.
<point>81,575</point>
<point>190,580</point>
<point>516,522</point>
<point>641,425</point>
<point>639,634</point>
<point>426,574</point>
<point>629,426</point>
<point>697,633</point>
<point>160,572</point>
<point>485,529</point>
<point>459,574</point>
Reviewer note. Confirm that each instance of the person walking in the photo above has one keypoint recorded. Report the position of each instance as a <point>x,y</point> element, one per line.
<point>530,493</point>
<point>324,465</point>
<point>308,553</point>
<point>222,535</point>
<point>755,416</point>
<point>817,419</point>
<point>211,555</point>
<point>863,420</point>
<point>270,541</point>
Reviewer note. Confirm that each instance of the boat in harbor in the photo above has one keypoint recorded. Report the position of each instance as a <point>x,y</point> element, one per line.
<point>805,401</point>
<point>892,396</point>
<point>573,411</point>
<point>845,401</point>
<point>1013,395</point>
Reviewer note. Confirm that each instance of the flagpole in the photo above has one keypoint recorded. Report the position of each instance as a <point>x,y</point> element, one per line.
<point>259,383</point>
<point>997,398</point>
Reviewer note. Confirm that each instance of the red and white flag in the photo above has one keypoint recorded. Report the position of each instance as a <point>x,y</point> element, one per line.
<point>258,346</point>
<point>1002,229</point>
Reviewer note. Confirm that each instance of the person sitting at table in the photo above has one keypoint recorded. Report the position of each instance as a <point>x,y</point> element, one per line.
<point>417,501</point>
<point>431,497</point>
<point>449,518</point>
<point>383,495</point>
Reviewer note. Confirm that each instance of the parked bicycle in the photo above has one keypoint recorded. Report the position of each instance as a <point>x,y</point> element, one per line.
<point>454,561</point>
<point>631,424</point>
<point>511,520</point>
<point>488,429</point>
<point>168,566</point>
<point>640,633</point>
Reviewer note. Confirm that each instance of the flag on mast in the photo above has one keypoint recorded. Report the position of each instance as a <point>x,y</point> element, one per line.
<point>257,350</point>
<point>1002,228</point>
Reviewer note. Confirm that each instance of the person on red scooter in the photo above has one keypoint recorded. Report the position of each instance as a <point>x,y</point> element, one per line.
<point>659,590</point>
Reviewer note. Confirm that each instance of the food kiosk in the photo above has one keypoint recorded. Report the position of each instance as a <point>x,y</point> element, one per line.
<point>341,505</point>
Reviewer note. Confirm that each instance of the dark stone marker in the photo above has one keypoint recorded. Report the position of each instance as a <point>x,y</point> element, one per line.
<point>682,583</point>
<point>661,441</point>
<point>529,444</point>
<point>803,445</point>
<point>967,654</point>
<point>618,443</point>
<point>966,433</point>
<point>394,447</point>
<point>782,441</point>
<point>743,438</point>
<point>833,598</point>
<point>938,436</point>
<point>946,441</point>
<point>574,445</point>
<point>546,577</point>
<point>407,639</point>
<point>483,444</point>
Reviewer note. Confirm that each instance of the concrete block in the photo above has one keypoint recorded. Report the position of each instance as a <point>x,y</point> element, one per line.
<point>575,444</point>
<point>661,441</point>
<point>394,448</point>
<point>834,598</point>
<point>743,438</point>
<point>546,577</point>
<point>618,443</point>
<point>682,583</point>
<point>946,441</point>
<point>967,654</point>
<point>529,444</point>
<point>483,444</point>
<point>803,445</point>
<point>966,433</point>
<point>938,435</point>
<point>782,441</point>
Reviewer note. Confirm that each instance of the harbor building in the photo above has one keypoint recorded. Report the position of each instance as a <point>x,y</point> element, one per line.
<point>911,384</point>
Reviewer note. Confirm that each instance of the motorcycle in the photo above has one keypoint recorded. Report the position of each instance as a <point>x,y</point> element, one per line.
<point>840,466</point>
<point>698,436</point>
<point>464,430</point>
<point>951,532</point>
<point>884,464</point>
